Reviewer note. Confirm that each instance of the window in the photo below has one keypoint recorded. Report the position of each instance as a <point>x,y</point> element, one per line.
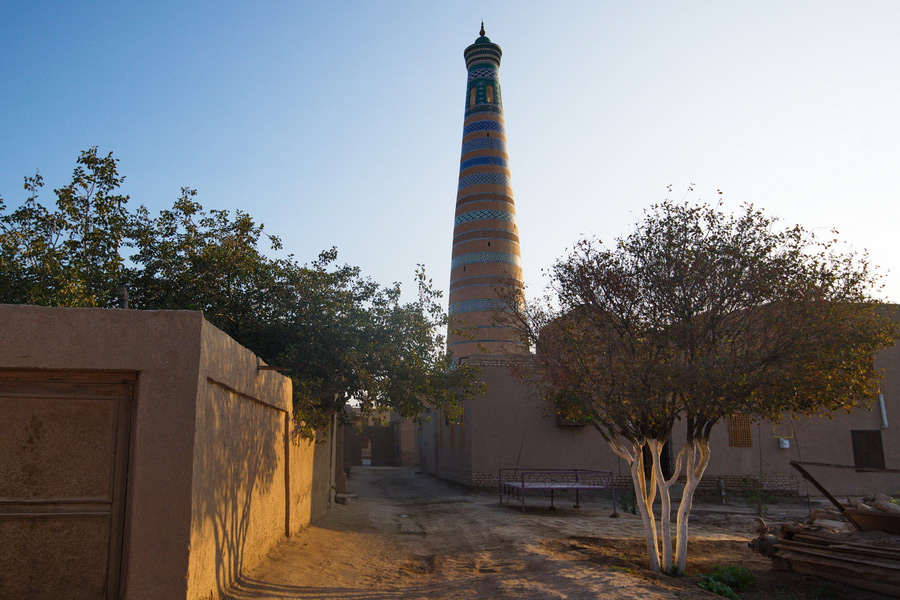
<point>472,97</point>
<point>489,94</point>
<point>868,451</point>
<point>739,434</point>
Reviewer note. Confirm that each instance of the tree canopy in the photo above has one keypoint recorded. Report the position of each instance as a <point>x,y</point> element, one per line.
<point>336,333</point>
<point>695,316</point>
<point>71,255</point>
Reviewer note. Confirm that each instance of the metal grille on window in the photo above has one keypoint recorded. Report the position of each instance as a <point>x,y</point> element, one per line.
<point>739,433</point>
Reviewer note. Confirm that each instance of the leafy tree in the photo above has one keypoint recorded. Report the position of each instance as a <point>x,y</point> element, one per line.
<point>695,316</point>
<point>70,256</point>
<point>337,334</point>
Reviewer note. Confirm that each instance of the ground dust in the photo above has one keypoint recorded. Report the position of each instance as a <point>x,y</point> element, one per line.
<point>411,536</point>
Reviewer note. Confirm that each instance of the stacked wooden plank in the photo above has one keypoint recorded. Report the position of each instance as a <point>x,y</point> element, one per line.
<point>869,561</point>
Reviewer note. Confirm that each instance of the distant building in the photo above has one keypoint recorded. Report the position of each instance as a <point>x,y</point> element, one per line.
<point>382,438</point>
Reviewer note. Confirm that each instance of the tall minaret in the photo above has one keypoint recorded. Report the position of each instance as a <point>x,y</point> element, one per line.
<point>486,255</point>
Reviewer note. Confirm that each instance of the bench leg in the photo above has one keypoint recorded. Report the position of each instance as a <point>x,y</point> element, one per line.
<point>577,501</point>
<point>551,501</point>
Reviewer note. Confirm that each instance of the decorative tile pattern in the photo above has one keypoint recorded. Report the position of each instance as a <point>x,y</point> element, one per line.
<point>478,305</point>
<point>480,108</point>
<point>507,200</point>
<point>488,279</point>
<point>484,215</point>
<point>482,73</point>
<point>483,160</point>
<point>483,179</point>
<point>493,196</point>
<point>484,143</point>
<point>478,55</point>
<point>483,126</point>
<point>490,286</point>
<point>485,234</point>
<point>486,257</point>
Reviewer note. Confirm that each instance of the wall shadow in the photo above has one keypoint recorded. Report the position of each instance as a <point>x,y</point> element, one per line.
<point>240,484</point>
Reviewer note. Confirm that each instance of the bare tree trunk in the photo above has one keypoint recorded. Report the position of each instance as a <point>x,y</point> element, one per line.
<point>697,460</point>
<point>645,495</point>
<point>665,516</point>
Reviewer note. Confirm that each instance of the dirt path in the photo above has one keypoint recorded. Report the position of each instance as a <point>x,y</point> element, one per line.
<point>411,536</point>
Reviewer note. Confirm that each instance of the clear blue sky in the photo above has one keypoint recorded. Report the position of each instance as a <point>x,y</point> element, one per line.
<point>339,123</point>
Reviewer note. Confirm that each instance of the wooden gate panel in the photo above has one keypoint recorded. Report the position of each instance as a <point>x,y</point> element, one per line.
<point>57,448</point>
<point>63,458</point>
<point>47,556</point>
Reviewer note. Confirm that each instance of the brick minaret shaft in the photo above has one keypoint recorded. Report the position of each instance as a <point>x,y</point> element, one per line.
<point>486,257</point>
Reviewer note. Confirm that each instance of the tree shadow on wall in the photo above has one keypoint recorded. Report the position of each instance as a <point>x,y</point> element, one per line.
<point>239,484</point>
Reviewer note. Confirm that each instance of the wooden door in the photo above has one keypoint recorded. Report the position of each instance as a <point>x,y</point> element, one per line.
<point>64,440</point>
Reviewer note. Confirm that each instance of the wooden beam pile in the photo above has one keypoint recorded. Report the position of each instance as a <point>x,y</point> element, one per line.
<point>869,561</point>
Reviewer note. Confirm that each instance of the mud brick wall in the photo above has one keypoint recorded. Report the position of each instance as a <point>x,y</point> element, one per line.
<point>778,485</point>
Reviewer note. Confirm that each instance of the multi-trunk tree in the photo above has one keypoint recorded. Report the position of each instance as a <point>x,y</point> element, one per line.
<point>336,333</point>
<point>695,316</point>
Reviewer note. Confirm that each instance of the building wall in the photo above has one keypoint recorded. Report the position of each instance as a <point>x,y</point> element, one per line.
<point>318,490</point>
<point>162,348</point>
<point>214,479</point>
<point>242,449</point>
<point>406,453</point>
<point>822,440</point>
<point>512,427</point>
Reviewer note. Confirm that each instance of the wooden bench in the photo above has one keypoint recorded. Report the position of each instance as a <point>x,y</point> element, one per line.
<point>518,482</point>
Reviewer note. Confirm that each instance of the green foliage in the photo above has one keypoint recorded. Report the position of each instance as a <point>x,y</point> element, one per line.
<point>717,587</point>
<point>754,494</point>
<point>338,334</point>
<point>727,581</point>
<point>71,255</point>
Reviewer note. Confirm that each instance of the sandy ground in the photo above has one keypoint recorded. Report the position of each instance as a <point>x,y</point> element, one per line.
<point>409,536</point>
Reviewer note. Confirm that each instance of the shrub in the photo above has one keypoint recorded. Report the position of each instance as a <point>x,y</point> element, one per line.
<point>727,581</point>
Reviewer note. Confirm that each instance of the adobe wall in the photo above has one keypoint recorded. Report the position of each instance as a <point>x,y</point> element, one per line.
<point>163,349</point>
<point>251,484</point>
<point>214,480</point>
<point>319,489</point>
<point>405,432</point>
<point>818,439</point>
<point>511,426</point>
